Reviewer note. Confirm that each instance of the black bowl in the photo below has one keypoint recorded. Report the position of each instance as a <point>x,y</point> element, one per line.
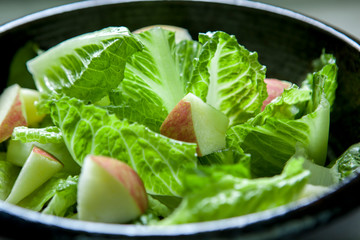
<point>286,42</point>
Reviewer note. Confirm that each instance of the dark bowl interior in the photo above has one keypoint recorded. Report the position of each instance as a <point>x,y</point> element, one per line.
<point>286,42</point>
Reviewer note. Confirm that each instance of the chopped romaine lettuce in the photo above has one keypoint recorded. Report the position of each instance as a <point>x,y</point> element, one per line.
<point>300,117</point>
<point>56,197</point>
<point>88,129</point>
<point>108,92</point>
<point>88,66</point>
<point>8,175</point>
<point>348,163</point>
<point>228,77</point>
<point>221,194</point>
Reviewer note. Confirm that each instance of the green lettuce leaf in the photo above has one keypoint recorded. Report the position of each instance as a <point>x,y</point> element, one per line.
<point>38,199</point>
<point>154,79</point>
<point>63,203</point>
<point>139,111</point>
<point>41,135</point>
<point>348,163</point>
<point>326,67</point>
<point>156,74</point>
<point>8,175</point>
<point>229,77</point>
<point>274,142</point>
<point>158,160</point>
<point>218,195</point>
<point>87,66</point>
<point>299,118</point>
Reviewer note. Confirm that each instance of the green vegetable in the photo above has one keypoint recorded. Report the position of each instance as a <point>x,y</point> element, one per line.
<point>88,129</point>
<point>55,196</point>
<point>40,135</point>
<point>8,175</point>
<point>348,163</point>
<point>299,118</point>
<point>88,66</point>
<point>63,202</point>
<point>108,92</point>
<point>228,77</point>
<point>214,195</point>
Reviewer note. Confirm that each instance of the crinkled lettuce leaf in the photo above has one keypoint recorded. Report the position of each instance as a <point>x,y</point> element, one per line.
<point>228,77</point>
<point>57,195</point>
<point>41,135</point>
<point>348,163</point>
<point>299,118</point>
<point>8,175</point>
<point>87,129</point>
<point>214,194</point>
<point>156,74</point>
<point>140,111</point>
<point>155,78</point>
<point>63,203</point>
<point>87,66</point>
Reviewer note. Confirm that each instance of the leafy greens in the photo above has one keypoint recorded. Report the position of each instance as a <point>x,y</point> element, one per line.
<point>109,91</point>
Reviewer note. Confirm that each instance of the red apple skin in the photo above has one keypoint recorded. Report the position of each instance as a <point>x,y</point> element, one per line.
<point>127,176</point>
<point>179,124</point>
<point>14,118</point>
<point>274,89</point>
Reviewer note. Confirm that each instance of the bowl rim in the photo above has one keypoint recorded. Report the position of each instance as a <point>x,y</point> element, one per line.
<point>13,211</point>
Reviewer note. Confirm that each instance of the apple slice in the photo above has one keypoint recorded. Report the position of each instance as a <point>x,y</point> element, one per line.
<point>109,191</point>
<point>192,120</point>
<point>30,97</point>
<point>38,168</point>
<point>12,111</point>
<point>274,89</point>
<point>18,152</point>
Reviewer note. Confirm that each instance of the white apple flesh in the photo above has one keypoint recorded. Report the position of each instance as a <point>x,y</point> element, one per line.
<point>12,111</point>
<point>194,121</point>
<point>274,89</point>
<point>109,191</point>
<point>30,97</point>
<point>38,168</point>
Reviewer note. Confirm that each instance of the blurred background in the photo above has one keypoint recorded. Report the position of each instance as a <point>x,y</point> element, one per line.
<point>342,14</point>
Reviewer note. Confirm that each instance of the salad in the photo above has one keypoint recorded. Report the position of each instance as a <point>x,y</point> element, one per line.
<point>153,127</point>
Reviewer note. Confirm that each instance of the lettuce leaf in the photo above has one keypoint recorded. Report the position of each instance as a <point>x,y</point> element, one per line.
<point>348,163</point>
<point>63,203</point>
<point>220,194</point>
<point>56,196</point>
<point>88,129</point>
<point>156,74</point>
<point>8,175</point>
<point>299,118</point>
<point>41,135</point>
<point>228,77</point>
<point>154,79</point>
<point>87,66</point>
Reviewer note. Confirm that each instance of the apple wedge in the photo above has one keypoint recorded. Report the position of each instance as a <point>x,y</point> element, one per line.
<point>109,191</point>
<point>192,120</point>
<point>274,89</point>
<point>18,152</point>
<point>38,168</point>
<point>12,111</point>
<point>30,97</point>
